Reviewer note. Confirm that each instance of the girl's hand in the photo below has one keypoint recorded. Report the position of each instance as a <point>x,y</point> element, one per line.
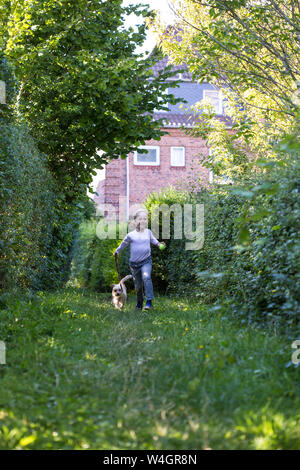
<point>161,245</point>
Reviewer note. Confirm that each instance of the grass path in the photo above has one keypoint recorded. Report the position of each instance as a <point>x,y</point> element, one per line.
<point>81,375</point>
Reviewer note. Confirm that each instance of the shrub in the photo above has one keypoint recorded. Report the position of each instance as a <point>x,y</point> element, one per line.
<point>265,275</point>
<point>251,262</point>
<point>26,192</point>
<point>93,264</point>
<point>36,221</point>
<point>166,276</point>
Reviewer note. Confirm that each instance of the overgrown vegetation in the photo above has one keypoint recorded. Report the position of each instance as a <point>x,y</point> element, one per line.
<point>206,368</point>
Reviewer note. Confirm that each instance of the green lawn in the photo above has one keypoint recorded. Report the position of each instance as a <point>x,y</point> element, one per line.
<point>81,375</point>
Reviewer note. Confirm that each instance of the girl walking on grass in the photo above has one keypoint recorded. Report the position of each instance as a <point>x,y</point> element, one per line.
<point>140,261</point>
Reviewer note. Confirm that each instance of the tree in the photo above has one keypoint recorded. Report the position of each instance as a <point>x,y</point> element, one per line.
<point>82,86</point>
<point>4,14</point>
<point>250,50</point>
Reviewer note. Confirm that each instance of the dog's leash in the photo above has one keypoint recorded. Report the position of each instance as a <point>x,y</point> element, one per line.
<point>117,267</point>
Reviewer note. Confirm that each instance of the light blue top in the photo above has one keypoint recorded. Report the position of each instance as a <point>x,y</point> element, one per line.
<point>139,244</point>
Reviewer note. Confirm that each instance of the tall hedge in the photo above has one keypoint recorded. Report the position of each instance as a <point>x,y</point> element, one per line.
<point>37,223</point>
<point>93,265</point>
<point>259,276</point>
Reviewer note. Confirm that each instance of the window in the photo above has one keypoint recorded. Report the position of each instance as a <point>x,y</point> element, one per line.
<point>177,156</point>
<point>149,158</point>
<point>215,97</point>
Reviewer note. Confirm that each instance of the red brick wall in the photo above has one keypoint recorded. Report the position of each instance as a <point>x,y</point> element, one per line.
<point>144,179</point>
<point>114,184</point>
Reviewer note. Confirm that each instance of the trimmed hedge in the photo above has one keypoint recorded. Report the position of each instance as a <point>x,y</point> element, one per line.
<point>37,222</point>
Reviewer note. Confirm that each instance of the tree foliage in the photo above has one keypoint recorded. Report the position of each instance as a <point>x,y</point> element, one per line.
<point>246,44</point>
<point>82,86</point>
<point>250,50</point>
<point>36,221</point>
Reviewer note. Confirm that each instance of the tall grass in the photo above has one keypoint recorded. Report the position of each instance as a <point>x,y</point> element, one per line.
<point>81,375</point>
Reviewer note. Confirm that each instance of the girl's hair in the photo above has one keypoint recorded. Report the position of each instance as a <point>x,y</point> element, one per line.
<point>137,214</point>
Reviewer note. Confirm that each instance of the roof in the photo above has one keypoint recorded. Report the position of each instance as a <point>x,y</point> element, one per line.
<point>190,91</point>
<point>162,64</point>
<point>186,120</point>
<point>175,120</point>
<point>176,117</point>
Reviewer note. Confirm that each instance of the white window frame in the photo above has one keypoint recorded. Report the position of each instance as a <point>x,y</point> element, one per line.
<point>220,99</point>
<point>177,147</point>
<point>148,147</point>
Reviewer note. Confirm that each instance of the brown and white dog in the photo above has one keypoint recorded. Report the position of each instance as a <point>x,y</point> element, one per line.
<point>119,293</point>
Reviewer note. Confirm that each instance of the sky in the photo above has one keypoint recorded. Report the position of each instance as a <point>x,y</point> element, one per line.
<point>166,16</point>
<point>162,7</point>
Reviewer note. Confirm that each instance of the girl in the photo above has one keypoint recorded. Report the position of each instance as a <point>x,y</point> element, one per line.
<point>140,261</point>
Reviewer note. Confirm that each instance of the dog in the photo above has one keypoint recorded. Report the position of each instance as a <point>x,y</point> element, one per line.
<point>119,293</point>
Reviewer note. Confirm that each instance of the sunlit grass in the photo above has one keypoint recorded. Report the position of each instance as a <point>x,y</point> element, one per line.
<point>81,375</point>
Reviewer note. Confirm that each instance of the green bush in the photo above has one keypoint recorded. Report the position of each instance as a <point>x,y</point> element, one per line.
<point>166,276</point>
<point>177,268</point>
<point>37,222</point>
<point>264,277</point>
<point>27,197</point>
<point>93,264</point>
<point>250,261</point>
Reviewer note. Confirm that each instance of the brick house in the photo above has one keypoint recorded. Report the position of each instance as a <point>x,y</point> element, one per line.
<point>174,160</point>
